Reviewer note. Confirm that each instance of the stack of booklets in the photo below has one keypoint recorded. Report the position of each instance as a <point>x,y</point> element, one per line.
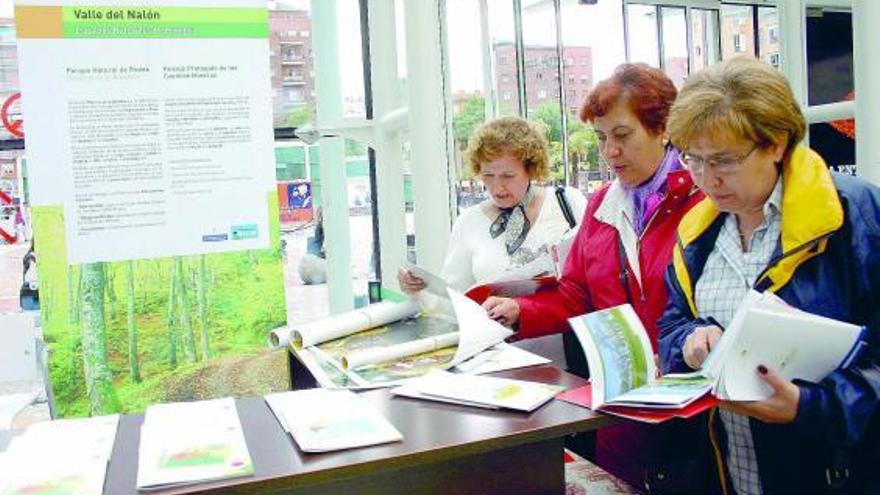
<point>479,391</point>
<point>191,442</point>
<point>764,331</point>
<point>59,457</point>
<point>321,420</point>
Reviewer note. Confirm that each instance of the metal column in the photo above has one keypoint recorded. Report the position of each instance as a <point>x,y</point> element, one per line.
<point>334,195</point>
<point>866,37</point>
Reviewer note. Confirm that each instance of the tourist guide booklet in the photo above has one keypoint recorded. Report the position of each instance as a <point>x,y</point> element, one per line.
<point>191,442</point>
<point>322,420</point>
<point>383,343</point>
<point>764,330</point>
<point>59,457</point>
<point>479,391</point>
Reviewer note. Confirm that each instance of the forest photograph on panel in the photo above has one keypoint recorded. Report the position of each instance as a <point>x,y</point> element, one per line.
<point>127,334</point>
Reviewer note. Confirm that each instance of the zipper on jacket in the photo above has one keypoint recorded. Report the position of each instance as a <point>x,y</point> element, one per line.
<point>778,259</point>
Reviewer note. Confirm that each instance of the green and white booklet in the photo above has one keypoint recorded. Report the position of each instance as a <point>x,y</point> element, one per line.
<point>621,361</point>
<point>59,457</point>
<point>191,442</point>
<point>479,391</point>
<point>322,420</point>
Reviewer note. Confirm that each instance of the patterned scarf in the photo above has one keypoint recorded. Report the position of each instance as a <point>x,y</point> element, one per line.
<point>513,223</point>
<point>648,196</point>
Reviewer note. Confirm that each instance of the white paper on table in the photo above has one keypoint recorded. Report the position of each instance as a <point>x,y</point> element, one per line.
<point>796,344</point>
<point>384,354</point>
<point>68,439</point>
<point>70,454</point>
<point>500,357</point>
<point>477,331</point>
<point>77,476</point>
<point>340,325</point>
<point>323,420</point>
<point>484,390</point>
<point>183,443</point>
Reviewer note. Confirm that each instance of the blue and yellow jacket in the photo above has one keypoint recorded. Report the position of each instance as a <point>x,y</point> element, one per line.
<point>827,262</point>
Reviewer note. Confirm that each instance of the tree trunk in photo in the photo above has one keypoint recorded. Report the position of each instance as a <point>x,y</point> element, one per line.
<point>133,365</point>
<point>169,318</point>
<point>71,296</point>
<point>77,301</point>
<point>203,308</point>
<point>99,380</point>
<point>183,312</point>
<point>109,276</point>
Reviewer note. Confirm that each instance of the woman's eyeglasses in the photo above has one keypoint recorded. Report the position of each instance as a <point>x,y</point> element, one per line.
<point>722,165</point>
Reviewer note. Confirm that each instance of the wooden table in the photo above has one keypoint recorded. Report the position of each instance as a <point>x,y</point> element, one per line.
<point>447,449</point>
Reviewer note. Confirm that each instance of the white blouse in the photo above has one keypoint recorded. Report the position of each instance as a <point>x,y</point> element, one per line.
<point>475,257</point>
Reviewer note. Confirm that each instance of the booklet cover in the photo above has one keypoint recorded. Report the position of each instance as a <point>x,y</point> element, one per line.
<point>59,457</point>
<point>480,391</point>
<point>621,362</point>
<point>191,442</point>
<point>321,420</point>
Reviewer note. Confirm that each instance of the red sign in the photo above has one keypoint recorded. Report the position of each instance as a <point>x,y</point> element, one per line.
<point>5,200</point>
<point>13,125</point>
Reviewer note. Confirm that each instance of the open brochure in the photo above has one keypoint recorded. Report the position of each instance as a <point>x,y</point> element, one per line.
<point>621,361</point>
<point>520,281</point>
<point>323,420</point>
<point>767,331</point>
<point>191,442</point>
<point>62,456</point>
<point>479,391</point>
<point>380,350</point>
<point>764,330</point>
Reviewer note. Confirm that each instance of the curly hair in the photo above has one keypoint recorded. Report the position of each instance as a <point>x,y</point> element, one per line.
<point>648,91</point>
<point>509,135</point>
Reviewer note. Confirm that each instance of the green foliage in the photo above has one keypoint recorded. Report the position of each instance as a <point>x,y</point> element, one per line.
<point>583,147</point>
<point>354,148</point>
<point>549,115</point>
<point>300,116</point>
<point>244,299</point>
<point>471,115</point>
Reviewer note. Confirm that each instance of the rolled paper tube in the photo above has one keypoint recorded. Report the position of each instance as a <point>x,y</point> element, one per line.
<point>344,324</point>
<point>394,352</point>
<point>280,337</point>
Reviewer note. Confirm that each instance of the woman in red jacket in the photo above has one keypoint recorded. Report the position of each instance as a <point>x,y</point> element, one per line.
<point>622,249</point>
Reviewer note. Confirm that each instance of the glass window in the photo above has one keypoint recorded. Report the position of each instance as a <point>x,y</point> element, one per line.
<point>675,52</point>
<point>542,78</point>
<point>641,26</point>
<point>592,35</point>
<point>704,36</point>
<point>737,30</point>
<point>768,27</point>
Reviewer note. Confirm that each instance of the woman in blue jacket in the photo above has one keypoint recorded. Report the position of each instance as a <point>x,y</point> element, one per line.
<point>775,219</point>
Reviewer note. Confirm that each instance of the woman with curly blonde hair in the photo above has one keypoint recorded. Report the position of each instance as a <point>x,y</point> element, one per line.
<point>518,223</point>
